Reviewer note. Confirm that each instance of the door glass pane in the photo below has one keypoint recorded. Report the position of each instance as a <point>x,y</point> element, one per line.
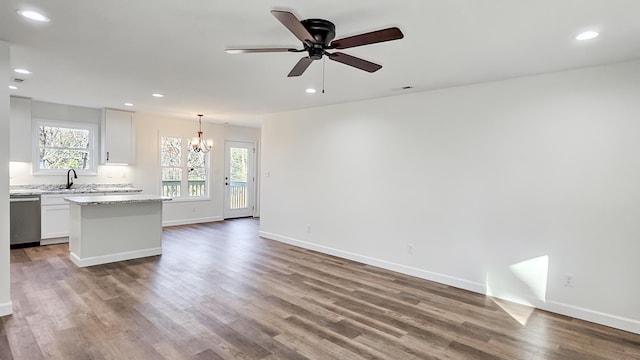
<point>238,182</point>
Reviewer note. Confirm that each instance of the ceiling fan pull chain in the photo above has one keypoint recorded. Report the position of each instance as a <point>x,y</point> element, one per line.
<point>324,62</point>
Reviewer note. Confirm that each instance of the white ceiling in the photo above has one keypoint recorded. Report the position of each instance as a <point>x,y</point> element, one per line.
<point>104,53</point>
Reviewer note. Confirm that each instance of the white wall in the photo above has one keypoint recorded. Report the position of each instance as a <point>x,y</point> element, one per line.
<point>503,187</point>
<point>146,173</point>
<point>5,286</point>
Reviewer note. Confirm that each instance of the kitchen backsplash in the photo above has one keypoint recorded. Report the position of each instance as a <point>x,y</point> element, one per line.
<point>20,174</point>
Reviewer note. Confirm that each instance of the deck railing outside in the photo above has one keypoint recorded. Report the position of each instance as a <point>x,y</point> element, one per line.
<point>172,188</point>
<point>237,191</point>
<point>238,195</point>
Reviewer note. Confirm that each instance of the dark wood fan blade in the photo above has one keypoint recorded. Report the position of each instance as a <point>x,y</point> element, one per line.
<point>355,62</point>
<point>368,38</point>
<point>294,25</point>
<point>260,50</point>
<point>300,67</point>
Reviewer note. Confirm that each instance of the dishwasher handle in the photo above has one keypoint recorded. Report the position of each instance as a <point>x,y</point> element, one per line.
<point>24,199</point>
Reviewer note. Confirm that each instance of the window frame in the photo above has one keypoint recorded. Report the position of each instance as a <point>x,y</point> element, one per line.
<point>184,166</point>
<point>80,125</point>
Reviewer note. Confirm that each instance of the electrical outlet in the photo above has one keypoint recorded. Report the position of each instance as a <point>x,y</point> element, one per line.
<point>409,248</point>
<point>568,280</point>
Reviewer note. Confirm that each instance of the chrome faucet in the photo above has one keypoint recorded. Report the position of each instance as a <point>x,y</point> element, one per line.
<point>69,180</point>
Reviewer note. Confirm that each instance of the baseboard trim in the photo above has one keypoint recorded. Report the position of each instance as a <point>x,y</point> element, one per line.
<point>6,308</point>
<point>408,270</point>
<point>597,317</point>
<point>191,221</point>
<point>593,316</point>
<point>60,240</point>
<point>105,259</point>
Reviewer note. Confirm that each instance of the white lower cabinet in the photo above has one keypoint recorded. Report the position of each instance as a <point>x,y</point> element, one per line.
<point>54,217</point>
<point>55,221</point>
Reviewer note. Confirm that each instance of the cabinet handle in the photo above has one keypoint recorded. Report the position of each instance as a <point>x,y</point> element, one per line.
<point>107,156</point>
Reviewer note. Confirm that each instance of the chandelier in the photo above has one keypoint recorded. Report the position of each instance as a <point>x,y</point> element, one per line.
<point>198,143</point>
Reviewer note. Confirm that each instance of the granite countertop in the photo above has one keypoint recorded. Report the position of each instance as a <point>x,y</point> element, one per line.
<point>45,189</point>
<point>115,199</point>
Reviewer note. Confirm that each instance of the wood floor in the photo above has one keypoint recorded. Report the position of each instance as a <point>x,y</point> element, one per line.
<point>221,292</point>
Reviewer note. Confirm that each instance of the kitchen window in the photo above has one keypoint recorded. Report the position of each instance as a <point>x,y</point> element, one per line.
<point>184,171</point>
<point>63,145</point>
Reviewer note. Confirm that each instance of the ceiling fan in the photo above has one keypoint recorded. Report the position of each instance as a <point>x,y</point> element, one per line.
<point>317,37</point>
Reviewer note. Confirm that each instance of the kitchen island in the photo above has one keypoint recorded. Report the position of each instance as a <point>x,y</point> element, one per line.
<point>110,228</point>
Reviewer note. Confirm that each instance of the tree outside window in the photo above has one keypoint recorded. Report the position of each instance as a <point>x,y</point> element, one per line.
<point>64,145</point>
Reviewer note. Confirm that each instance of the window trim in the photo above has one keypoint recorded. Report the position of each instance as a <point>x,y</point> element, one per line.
<point>35,145</point>
<point>184,182</point>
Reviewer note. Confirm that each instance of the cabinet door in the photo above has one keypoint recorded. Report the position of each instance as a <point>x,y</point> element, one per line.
<point>117,137</point>
<point>54,221</point>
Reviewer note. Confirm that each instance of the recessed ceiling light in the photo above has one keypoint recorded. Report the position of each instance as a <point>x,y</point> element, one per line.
<point>22,71</point>
<point>157,95</point>
<point>13,87</point>
<point>33,15</point>
<point>311,91</point>
<point>587,35</point>
<point>128,104</point>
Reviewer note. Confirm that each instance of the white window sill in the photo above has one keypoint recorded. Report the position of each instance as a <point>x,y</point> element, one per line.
<point>188,199</point>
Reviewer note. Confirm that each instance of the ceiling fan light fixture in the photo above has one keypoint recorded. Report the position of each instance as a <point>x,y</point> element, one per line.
<point>310,91</point>
<point>587,35</point>
<point>157,95</point>
<point>33,15</point>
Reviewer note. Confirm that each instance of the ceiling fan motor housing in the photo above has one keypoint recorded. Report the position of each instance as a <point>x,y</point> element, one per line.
<point>322,30</point>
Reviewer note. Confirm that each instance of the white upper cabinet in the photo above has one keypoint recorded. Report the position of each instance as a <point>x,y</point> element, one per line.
<point>20,143</point>
<point>117,137</point>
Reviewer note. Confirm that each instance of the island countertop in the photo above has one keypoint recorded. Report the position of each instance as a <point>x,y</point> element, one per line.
<point>115,199</point>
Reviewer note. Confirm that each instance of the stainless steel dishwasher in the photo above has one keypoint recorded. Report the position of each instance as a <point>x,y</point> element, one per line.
<point>25,219</point>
